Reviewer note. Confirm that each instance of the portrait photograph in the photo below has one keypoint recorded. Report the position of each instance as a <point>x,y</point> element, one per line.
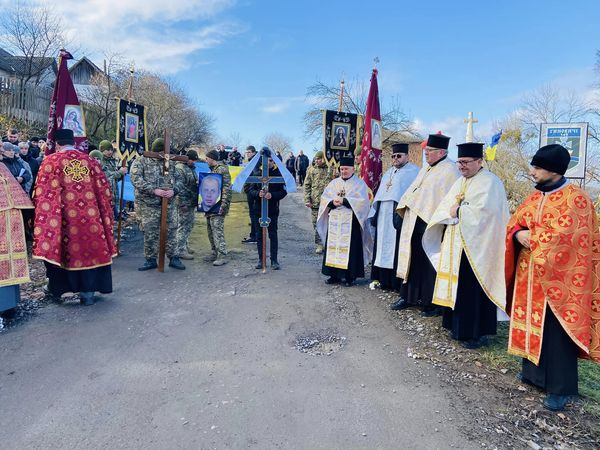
<point>209,192</point>
<point>131,127</point>
<point>339,136</point>
<point>73,120</point>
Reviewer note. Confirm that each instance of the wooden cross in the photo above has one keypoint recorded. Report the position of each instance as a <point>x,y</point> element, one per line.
<point>470,121</point>
<point>264,180</point>
<point>166,157</point>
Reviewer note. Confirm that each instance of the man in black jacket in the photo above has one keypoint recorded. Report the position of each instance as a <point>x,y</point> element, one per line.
<point>290,164</point>
<point>275,193</point>
<point>254,228</point>
<point>302,164</point>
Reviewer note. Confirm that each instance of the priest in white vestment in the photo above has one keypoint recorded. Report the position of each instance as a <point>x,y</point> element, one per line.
<point>342,225</point>
<point>416,208</point>
<point>384,220</point>
<point>464,243</point>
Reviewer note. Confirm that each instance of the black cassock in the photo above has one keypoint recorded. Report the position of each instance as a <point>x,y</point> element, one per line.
<point>356,261</point>
<point>418,289</point>
<point>387,277</point>
<point>474,314</point>
<point>557,369</point>
<point>98,279</point>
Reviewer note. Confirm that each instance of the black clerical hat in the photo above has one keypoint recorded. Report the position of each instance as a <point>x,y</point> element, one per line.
<point>470,150</point>
<point>438,141</point>
<point>399,148</point>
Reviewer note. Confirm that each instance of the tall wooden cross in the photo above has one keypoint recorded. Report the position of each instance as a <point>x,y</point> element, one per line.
<point>166,157</point>
<point>265,180</point>
<point>470,121</point>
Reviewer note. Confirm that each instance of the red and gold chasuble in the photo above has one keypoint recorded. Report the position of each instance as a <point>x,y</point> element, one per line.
<point>560,271</point>
<point>74,216</point>
<point>13,250</point>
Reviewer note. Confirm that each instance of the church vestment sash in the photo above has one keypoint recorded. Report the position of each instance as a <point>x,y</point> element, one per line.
<point>355,191</point>
<point>339,232</point>
<point>561,271</point>
<point>14,268</point>
<point>482,218</point>
<point>420,200</point>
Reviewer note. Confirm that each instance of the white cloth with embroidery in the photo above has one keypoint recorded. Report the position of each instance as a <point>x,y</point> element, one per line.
<point>420,200</point>
<point>393,185</point>
<point>356,192</point>
<point>479,231</point>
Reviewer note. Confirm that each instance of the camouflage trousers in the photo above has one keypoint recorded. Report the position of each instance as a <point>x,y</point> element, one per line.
<point>216,235</point>
<point>315,214</point>
<point>186,216</point>
<point>150,221</point>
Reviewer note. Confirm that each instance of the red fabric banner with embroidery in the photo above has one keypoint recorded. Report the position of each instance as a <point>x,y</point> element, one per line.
<point>561,271</point>
<point>73,212</point>
<point>370,155</point>
<point>65,110</point>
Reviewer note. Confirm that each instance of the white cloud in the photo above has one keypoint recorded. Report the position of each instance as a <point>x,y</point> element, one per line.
<point>275,105</point>
<point>155,34</point>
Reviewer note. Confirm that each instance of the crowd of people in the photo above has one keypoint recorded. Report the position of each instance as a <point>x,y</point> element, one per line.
<point>441,236</point>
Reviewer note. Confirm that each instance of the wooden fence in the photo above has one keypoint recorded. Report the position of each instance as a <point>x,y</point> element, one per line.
<point>24,101</point>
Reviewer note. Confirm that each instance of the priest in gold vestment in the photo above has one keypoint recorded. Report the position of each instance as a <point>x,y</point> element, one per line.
<point>342,225</point>
<point>416,208</point>
<point>462,244</point>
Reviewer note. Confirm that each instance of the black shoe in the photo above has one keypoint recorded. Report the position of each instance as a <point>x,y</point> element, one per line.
<point>399,305</point>
<point>332,280</point>
<point>176,263</point>
<point>555,402</point>
<point>149,264</point>
<point>258,265</point>
<point>275,265</point>
<point>473,344</point>
<point>431,311</point>
<point>248,240</point>
<point>348,283</point>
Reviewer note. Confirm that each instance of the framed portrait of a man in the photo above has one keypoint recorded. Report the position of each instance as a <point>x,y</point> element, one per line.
<point>376,137</point>
<point>209,192</point>
<point>339,137</point>
<point>131,129</point>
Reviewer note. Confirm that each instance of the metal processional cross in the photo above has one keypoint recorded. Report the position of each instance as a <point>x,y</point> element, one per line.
<point>265,180</point>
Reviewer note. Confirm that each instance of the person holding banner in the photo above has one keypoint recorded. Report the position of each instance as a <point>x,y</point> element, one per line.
<point>113,173</point>
<point>342,225</point>
<point>73,231</point>
<point>318,176</point>
<point>552,279</point>
<point>215,221</point>
<point>416,208</point>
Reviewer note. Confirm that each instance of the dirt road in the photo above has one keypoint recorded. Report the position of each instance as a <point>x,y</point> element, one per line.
<point>224,357</point>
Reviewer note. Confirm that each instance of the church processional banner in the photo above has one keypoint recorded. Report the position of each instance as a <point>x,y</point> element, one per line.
<point>132,139</point>
<point>342,135</point>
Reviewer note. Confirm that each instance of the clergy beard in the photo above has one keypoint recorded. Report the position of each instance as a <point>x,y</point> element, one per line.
<point>549,185</point>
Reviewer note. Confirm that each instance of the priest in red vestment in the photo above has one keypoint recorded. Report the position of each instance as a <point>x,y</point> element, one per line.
<point>14,269</point>
<point>73,230</point>
<point>552,272</point>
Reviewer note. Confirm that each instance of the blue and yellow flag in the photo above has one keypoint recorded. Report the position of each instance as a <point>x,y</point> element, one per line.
<point>490,151</point>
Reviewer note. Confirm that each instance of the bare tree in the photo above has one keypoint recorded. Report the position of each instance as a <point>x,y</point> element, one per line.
<point>323,96</point>
<point>278,142</point>
<point>234,139</point>
<point>35,33</point>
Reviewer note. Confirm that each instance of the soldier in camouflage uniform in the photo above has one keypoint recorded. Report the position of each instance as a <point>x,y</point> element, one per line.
<point>187,201</point>
<point>215,222</point>
<point>317,178</point>
<point>150,187</point>
<point>113,172</point>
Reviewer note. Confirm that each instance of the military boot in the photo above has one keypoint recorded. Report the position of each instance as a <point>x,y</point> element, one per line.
<point>149,264</point>
<point>86,298</point>
<point>176,263</point>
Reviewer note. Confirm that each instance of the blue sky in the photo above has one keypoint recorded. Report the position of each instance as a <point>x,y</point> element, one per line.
<point>249,62</point>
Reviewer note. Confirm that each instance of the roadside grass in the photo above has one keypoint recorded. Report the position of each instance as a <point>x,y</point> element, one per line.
<point>496,356</point>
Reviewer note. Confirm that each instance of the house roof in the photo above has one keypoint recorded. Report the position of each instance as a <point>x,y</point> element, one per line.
<point>17,65</point>
<point>85,60</point>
